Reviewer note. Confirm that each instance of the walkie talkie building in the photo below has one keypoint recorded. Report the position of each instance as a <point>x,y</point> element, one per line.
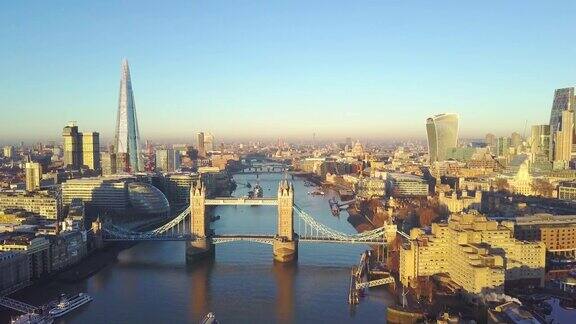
<point>127,140</point>
<point>442,135</point>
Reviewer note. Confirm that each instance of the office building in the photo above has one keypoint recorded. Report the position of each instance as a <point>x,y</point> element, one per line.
<point>567,190</point>
<point>177,188</point>
<point>72,144</point>
<point>563,137</point>
<point>122,195</point>
<point>200,142</point>
<point>167,160</point>
<point>557,232</point>
<point>563,100</point>
<point>503,146</point>
<point>36,248</point>
<point>47,204</point>
<point>540,140</point>
<point>91,150</point>
<point>15,270</point>
<point>8,151</point>
<point>515,140</point>
<point>108,163</point>
<point>33,176</point>
<point>100,192</point>
<point>442,133</point>
<point>478,254</point>
<point>127,138</point>
<point>490,140</point>
<point>209,142</point>
<point>407,185</point>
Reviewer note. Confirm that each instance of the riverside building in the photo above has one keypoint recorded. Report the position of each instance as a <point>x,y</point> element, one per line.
<point>478,254</point>
<point>47,204</point>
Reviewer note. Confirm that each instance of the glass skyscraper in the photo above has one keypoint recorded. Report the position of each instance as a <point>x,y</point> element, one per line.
<point>563,100</point>
<point>442,135</point>
<point>127,140</point>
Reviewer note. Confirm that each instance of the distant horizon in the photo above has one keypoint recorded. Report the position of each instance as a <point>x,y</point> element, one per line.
<point>283,70</point>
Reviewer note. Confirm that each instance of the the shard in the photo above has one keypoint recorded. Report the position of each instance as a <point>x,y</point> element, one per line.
<point>127,140</point>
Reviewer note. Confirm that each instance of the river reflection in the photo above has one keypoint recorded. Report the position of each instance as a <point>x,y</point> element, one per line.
<point>151,283</point>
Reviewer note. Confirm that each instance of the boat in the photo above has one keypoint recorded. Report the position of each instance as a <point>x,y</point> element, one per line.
<point>32,318</point>
<point>68,304</point>
<point>210,318</point>
<point>257,192</point>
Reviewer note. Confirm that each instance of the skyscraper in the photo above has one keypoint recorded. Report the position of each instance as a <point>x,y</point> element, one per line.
<point>563,140</point>
<point>563,100</point>
<point>515,140</point>
<point>201,147</point>
<point>33,176</point>
<point>72,146</point>
<point>442,135</point>
<point>490,140</point>
<point>167,160</point>
<point>209,142</point>
<point>540,140</point>
<point>127,139</point>
<point>91,150</point>
<point>108,162</point>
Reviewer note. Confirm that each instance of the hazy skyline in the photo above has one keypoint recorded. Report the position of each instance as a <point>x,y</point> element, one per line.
<point>268,69</point>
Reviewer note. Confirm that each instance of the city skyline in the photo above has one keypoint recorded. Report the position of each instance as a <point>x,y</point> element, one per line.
<point>262,72</point>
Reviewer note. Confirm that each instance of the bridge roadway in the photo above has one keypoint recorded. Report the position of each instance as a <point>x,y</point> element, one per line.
<point>258,238</point>
<point>235,201</point>
<point>17,305</point>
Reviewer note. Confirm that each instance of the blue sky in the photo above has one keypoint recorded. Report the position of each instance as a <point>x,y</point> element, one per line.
<point>241,69</point>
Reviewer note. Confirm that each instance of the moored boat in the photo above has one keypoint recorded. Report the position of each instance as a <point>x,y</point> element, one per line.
<point>68,304</point>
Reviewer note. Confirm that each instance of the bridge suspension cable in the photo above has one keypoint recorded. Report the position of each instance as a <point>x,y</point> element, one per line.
<point>313,228</point>
<point>309,229</point>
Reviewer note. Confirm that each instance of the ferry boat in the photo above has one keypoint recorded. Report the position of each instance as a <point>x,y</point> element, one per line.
<point>32,318</point>
<point>68,304</point>
<point>210,318</point>
<point>257,192</point>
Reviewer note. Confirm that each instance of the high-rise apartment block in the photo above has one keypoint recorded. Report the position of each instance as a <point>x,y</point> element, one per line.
<point>127,139</point>
<point>442,135</point>
<point>33,176</point>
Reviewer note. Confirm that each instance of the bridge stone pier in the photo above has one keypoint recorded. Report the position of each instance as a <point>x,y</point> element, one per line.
<point>285,242</point>
<point>202,247</point>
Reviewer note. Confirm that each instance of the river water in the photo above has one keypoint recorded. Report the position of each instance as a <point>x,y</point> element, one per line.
<point>151,283</point>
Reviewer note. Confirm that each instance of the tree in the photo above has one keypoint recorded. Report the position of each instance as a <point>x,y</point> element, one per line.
<point>502,184</point>
<point>542,187</point>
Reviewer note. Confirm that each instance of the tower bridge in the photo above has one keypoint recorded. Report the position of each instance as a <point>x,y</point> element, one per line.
<point>294,226</point>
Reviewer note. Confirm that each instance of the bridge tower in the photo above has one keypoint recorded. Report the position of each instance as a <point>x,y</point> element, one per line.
<point>202,246</point>
<point>285,245</point>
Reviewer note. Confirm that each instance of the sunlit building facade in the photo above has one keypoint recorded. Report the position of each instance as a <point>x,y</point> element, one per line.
<point>91,150</point>
<point>442,135</point>
<point>563,100</point>
<point>478,254</point>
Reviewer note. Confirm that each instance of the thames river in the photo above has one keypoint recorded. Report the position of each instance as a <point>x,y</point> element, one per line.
<point>151,283</point>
